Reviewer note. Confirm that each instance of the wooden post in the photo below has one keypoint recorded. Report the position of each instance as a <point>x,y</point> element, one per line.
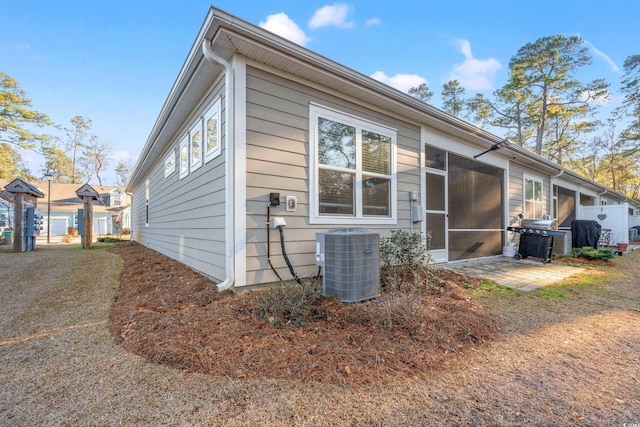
<point>88,195</point>
<point>19,217</point>
<point>87,237</point>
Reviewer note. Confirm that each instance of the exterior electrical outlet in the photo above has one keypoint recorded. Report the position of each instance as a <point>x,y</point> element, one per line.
<point>292,203</point>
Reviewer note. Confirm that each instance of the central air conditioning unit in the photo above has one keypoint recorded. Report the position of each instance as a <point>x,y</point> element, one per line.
<point>562,245</point>
<point>351,261</point>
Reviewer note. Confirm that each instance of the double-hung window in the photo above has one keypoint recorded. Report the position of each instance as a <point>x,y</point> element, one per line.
<point>533,205</point>
<point>353,169</point>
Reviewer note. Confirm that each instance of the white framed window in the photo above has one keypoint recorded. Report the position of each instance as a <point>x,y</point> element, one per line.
<point>146,203</point>
<point>184,157</point>
<point>353,170</point>
<point>116,198</point>
<point>195,143</point>
<point>533,203</point>
<point>212,141</point>
<point>170,163</point>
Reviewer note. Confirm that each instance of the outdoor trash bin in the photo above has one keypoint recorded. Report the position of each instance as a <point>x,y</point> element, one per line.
<point>8,236</point>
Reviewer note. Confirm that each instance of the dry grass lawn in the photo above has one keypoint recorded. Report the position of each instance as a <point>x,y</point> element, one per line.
<point>567,355</point>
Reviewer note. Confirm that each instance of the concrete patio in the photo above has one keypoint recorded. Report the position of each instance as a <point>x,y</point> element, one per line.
<point>525,275</point>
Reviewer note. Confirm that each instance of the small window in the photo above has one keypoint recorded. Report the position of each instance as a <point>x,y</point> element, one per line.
<point>116,198</point>
<point>170,164</point>
<point>435,158</point>
<point>212,132</point>
<point>533,205</point>
<point>195,142</point>
<point>184,157</point>
<point>146,203</point>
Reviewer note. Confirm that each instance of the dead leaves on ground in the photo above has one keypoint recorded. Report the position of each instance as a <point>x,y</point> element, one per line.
<point>171,314</point>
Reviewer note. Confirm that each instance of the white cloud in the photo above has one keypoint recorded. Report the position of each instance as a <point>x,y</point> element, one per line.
<point>327,16</point>
<point>474,74</point>
<point>373,21</point>
<point>590,98</point>
<point>283,26</point>
<point>602,55</point>
<point>402,82</point>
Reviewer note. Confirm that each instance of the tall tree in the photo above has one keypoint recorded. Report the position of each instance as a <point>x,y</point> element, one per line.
<point>95,156</point>
<point>564,136</point>
<point>57,163</point>
<point>547,68</point>
<point>631,90</point>
<point>16,114</point>
<point>123,172</point>
<point>77,136</point>
<point>507,111</point>
<point>619,162</point>
<point>543,89</point>
<point>421,92</point>
<point>10,161</point>
<point>586,161</point>
<point>453,101</point>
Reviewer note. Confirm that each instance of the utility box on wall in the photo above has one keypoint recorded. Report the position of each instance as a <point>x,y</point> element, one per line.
<point>351,259</point>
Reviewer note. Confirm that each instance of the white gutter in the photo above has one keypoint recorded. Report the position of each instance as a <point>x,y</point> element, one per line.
<point>211,56</point>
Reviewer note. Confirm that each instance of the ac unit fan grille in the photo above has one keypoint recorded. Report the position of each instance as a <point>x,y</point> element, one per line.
<point>351,270</point>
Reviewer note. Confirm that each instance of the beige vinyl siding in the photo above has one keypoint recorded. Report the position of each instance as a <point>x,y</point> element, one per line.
<point>278,161</point>
<point>187,217</point>
<point>516,189</point>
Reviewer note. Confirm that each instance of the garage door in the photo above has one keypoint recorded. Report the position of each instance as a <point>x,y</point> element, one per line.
<point>59,226</point>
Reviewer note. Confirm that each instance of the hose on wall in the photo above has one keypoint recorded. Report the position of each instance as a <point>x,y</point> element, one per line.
<point>286,258</point>
<point>269,243</point>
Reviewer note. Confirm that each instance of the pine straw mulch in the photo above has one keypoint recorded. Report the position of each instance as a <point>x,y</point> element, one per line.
<point>174,315</point>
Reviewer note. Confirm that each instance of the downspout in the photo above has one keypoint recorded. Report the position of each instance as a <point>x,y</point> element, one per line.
<point>606,190</point>
<point>229,183</point>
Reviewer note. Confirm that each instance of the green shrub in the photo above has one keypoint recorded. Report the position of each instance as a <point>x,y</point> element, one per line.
<point>108,239</point>
<point>591,253</point>
<point>287,304</point>
<point>403,257</point>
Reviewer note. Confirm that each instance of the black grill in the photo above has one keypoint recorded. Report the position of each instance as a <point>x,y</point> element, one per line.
<point>536,238</point>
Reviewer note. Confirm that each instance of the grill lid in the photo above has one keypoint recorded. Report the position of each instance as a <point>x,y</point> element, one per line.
<point>541,224</point>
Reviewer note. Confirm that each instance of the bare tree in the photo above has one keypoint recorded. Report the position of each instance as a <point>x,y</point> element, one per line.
<point>95,156</point>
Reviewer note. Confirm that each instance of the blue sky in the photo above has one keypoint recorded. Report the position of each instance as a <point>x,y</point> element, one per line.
<point>114,62</point>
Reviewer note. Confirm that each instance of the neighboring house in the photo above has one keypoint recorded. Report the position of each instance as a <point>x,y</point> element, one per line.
<point>252,114</point>
<point>6,209</point>
<point>109,213</point>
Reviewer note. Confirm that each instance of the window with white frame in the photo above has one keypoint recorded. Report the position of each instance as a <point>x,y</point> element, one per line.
<point>353,171</point>
<point>212,132</point>
<point>195,142</point>
<point>184,157</point>
<point>146,203</point>
<point>533,205</point>
<point>170,163</point>
<point>116,198</point>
